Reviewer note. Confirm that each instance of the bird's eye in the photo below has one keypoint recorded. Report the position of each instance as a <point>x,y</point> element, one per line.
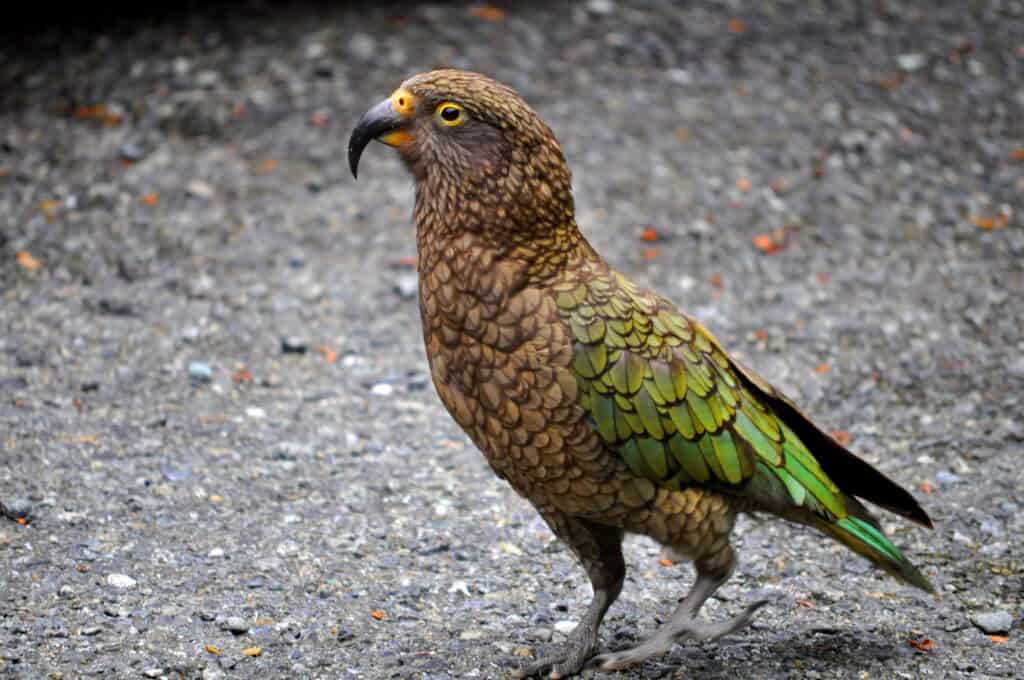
<point>450,113</point>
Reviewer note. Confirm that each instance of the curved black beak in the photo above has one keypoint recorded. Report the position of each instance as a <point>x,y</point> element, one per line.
<point>375,123</point>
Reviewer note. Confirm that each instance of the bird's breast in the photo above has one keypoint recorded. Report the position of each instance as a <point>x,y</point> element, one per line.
<point>499,355</point>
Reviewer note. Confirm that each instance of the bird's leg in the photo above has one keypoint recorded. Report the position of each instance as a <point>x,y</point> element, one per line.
<point>599,549</point>
<point>711,574</point>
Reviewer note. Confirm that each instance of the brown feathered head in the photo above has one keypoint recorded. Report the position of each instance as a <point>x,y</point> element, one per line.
<point>480,155</point>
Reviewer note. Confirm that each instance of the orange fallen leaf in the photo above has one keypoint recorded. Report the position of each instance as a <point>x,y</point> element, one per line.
<point>216,498</point>
<point>715,280</point>
<point>266,166</point>
<point>666,562</point>
<point>822,278</point>
<point>650,234</point>
<point>330,356</point>
<point>1018,154</point>
<point>983,222</point>
<point>999,639</point>
<point>488,12</point>
<point>152,198</point>
<point>737,26</point>
<point>805,603</point>
<point>83,568</point>
<point>21,520</point>
<point>766,244</point>
<point>238,110</point>
<point>212,650</point>
<point>743,184</point>
<point>242,375</point>
<point>27,261</point>
<point>319,119</point>
<point>651,253</point>
<point>252,651</point>
<point>683,134</point>
<point>842,436</point>
<point>334,630</point>
<point>761,335</point>
<point>822,368</point>
<point>378,614</point>
<point>925,645</point>
<point>927,487</point>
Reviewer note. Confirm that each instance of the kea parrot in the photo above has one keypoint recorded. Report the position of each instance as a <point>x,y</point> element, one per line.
<point>600,402</point>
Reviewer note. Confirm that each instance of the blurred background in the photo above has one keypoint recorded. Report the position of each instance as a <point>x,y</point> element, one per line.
<point>220,452</point>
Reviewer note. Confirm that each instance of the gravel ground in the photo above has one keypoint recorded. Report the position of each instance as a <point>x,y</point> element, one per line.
<point>217,430</point>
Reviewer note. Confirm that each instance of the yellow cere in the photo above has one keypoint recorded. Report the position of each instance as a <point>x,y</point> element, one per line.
<point>403,102</point>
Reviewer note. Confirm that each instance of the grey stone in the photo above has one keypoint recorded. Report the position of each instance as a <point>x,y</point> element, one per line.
<point>993,622</point>
<point>235,624</point>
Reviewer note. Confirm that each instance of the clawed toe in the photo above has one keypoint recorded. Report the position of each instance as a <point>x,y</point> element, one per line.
<point>662,641</point>
<point>563,664</point>
<point>702,630</point>
<point>613,661</point>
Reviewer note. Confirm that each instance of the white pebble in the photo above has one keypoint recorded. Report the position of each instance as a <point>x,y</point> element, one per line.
<point>121,581</point>
<point>566,627</point>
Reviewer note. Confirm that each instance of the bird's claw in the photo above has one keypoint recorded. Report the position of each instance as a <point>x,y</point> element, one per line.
<point>568,660</point>
<point>662,640</point>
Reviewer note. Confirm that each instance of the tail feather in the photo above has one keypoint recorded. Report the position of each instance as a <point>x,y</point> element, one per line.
<point>864,537</point>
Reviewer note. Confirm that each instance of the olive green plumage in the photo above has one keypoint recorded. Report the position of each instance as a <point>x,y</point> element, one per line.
<point>606,407</point>
<point>663,394</point>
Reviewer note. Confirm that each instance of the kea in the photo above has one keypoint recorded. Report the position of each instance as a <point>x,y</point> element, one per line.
<point>600,402</point>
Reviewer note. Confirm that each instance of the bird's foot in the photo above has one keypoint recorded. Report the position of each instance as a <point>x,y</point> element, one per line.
<point>671,633</point>
<point>567,660</point>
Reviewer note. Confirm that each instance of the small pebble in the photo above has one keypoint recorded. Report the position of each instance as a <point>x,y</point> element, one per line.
<point>911,62</point>
<point>200,371</point>
<point>153,672</point>
<point>294,345</point>
<point>131,152</point>
<point>993,622</point>
<point>17,508</point>
<point>565,627</point>
<point>177,474</point>
<point>122,581</point>
<point>382,390</point>
<point>945,479</point>
<point>255,412</point>
<point>235,625</point>
<point>199,189</point>
<point>407,286</point>
<point>91,630</point>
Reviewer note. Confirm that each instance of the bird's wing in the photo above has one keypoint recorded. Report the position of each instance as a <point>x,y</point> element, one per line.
<point>664,395</point>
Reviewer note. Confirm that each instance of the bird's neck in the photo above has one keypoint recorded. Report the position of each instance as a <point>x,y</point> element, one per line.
<point>523,212</point>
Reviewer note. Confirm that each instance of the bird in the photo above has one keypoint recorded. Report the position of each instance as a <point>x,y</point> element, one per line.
<point>600,402</point>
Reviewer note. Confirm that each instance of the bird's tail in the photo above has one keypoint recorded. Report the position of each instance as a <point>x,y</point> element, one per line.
<point>865,537</point>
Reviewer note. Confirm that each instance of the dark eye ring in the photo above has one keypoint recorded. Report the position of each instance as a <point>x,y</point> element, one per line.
<point>450,114</point>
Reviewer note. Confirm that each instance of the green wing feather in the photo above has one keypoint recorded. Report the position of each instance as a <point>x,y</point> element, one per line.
<point>663,394</point>
<point>675,408</point>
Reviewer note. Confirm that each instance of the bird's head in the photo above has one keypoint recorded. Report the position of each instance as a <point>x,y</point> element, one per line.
<point>475,147</point>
